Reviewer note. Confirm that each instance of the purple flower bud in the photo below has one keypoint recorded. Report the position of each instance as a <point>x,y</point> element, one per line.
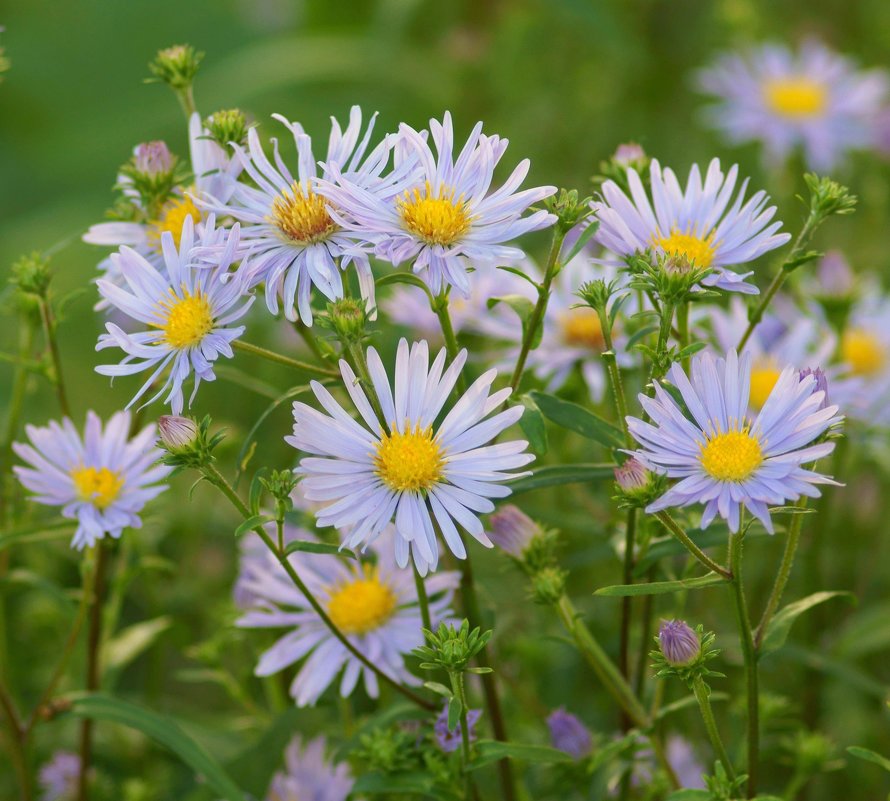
<point>628,153</point>
<point>679,644</point>
<point>153,158</point>
<point>450,739</point>
<point>177,432</point>
<point>569,734</point>
<point>632,475</point>
<point>821,383</point>
<point>512,529</point>
<point>835,275</point>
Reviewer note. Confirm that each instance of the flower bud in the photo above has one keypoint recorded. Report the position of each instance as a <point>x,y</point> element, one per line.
<point>821,383</point>
<point>679,644</point>
<point>629,153</point>
<point>513,530</point>
<point>228,125</point>
<point>153,159</point>
<point>569,734</point>
<point>548,585</point>
<point>31,274</point>
<point>177,432</point>
<point>176,66</point>
<point>632,475</point>
<point>348,318</point>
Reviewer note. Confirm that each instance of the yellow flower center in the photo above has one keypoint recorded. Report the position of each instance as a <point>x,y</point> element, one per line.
<point>302,216</point>
<point>732,456</point>
<point>409,462</point>
<point>763,379</point>
<point>796,97</point>
<point>440,220</point>
<point>581,327</point>
<point>689,246</point>
<point>863,351</point>
<point>188,319</point>
<point>172,219</point>
<point>363,604</point>
<point>100,486</point>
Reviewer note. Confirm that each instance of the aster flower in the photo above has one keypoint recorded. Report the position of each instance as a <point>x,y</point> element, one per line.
<point>726,460</point>
<point>294,241</point>
<point>442,216</point>
<point>308,774</point>
<point>408,468</point>
<point>188,311</point>
<point>569,734</point>
<point>680,756</point>
<point>678,643</point>
<point>449,740</point>
<point>59,777</point>
<point>102,480</point>
<point>812,98</point>
<point>374,604</point>
<point>700,224</point>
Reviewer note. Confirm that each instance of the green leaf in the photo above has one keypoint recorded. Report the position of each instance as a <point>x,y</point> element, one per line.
<point>557,474</point>
<point>661,587</point>
<point>779,627</point>
<point>488,751</point>
<point>306,546</point>
<point>454,709</point>
<point>532,425</point>
<point>640,334</point>
<point>520,273</point>
<point>37,532</point>
<point>130,642</point>
<point>670,546</point>
<point>392,784</point>
<point>251,523</point>
<point>869,756</point>
<point>404,278</point>
<point>690,795</point>
<point>585,237</point>
<point>255,493</point>
<point>439,689</point>
<point>577,418</point>
<point>684,703</point>
<point>163,730</point>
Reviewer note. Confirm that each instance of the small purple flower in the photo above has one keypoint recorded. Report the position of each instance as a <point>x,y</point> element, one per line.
<point>449,740</point>
<point>679,644</point>
<point>834,274</point>
<point>569,734</point>
<point>177,432</point>
<point>58,777</point>
<point>629,152</point>
<point>821,383</point>
<point>632,475</point>
<point>512,529</point>
<point>153,158</point>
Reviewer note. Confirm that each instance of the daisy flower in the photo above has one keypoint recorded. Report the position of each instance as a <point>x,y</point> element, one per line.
<point>813,98</point>
<point>102,480</point>
<point>442,216</point>
<point>409,467</point>
<point>789,338</point>
<point>188,311</point>
<point>725,459</point>
<point>293,238</point>
<point>374,604</point>
<point>701,224</point>
<point>309,774</point>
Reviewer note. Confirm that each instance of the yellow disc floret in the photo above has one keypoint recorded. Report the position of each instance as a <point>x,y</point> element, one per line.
<point>796,97</point>
<point>187,319</point>
<point>689,246</point>
<point>732,456</point>
<point>863,351</point>
<point>440,220</point>
<point>363,603</point>
<point>100,486</point>
<point>763,378</point>
<point>582,327</point>
<point>302,216</point>
<point>409,462</point>
<point>171,220</point>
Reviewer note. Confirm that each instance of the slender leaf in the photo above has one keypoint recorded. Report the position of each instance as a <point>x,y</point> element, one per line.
<point>779,627</point>
<point>532,425</point>
<point>520,273</point>
<point>661,587</point>
<point>869,756</point>
<point>582,240</point>
<point>557,474</point>
<point>404,278</point>
<point>251,523</point>
<point>37,532</point>
<point>132,641</point>
<point>577,418</point>
<point>488,751</point>
<point>393,784</point>
<point>307,546</point>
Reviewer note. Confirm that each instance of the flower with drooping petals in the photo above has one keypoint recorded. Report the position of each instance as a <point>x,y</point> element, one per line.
<point>309,774</point>
<point>569,734</point>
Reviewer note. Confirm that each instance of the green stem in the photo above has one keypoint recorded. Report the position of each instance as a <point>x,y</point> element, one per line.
<point>782,576</point>
<point>218,480</point>
<point>459,689</point>
<point>17,744</point>
<point>272,356</point>
<point>671,525</point>
<point>49,330</point>
<point>422,598</point>
<point>439,306</point>
<point>628,575</point>
<point>537,316</point>
<point>614,374</point>
<point>749,653</point>
<point>359,363</point>
<point>645,638</point>
<point>683,329</point>
<point>703,696</point>
<point>186,99</point>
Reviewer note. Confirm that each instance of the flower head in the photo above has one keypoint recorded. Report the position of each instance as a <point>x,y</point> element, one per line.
<point>411,467</point>
<point>309,774</point>
<point>153,158</point>
<point>569,734</point>
<point>449,740</point>
<point>177,432</point>
<point>812,98</point>
<point>437,210</point>
<point>700,224</point>
<point>59,777</point>
<point>512,529</point>
<point>373,603</point>
<point>725,459</point>
<point>102,480</point>
<point>187,313</point>
<point>679,644</point>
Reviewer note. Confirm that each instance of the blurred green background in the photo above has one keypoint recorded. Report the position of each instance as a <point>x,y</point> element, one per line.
<point>566,81</point>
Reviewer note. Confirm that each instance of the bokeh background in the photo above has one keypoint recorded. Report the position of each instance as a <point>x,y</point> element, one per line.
<point>566,81</point>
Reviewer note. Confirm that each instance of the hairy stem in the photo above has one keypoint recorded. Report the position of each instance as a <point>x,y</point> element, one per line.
<point>671,525</point>
<point>272,356</point>
<point>17,737</point>
<point>422,598</point>
<point>49,330</point>
<point>703,696</point>
<point>439,306</point>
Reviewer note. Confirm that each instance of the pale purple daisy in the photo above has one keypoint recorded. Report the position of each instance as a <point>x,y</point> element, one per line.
<point>443,218</point>
<point>102,480</point>
<point>187,311</point>
<point>449,740</point>
<point>701,224</point>
<point>726,460</point>
<point>309,775</point>
<point>812,98</point>
<point>374,604</point>
<point>569,734</point>
<point>411,467</point>
<point>293,239</point>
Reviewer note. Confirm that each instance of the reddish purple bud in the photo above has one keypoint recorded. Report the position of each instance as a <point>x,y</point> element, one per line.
<point>177,432</point>
<point>153,158</point>
<point>512,529</point>
<point>632,475</point>
<point>629,152</point>
<point>679,644</point>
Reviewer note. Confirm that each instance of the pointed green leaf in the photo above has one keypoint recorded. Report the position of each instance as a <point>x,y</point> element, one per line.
<point>779,627</point>
<point>577,418</point>
<point>532,425</point>
<point>307,546</point>
<point>251,523</point>
<point>37,532</point>
<point>661,587</point>
<point>557,474</point>
<point>582,240</point>
<point>869,756</point>
<point>488,751</point>
<point>132,641</point>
